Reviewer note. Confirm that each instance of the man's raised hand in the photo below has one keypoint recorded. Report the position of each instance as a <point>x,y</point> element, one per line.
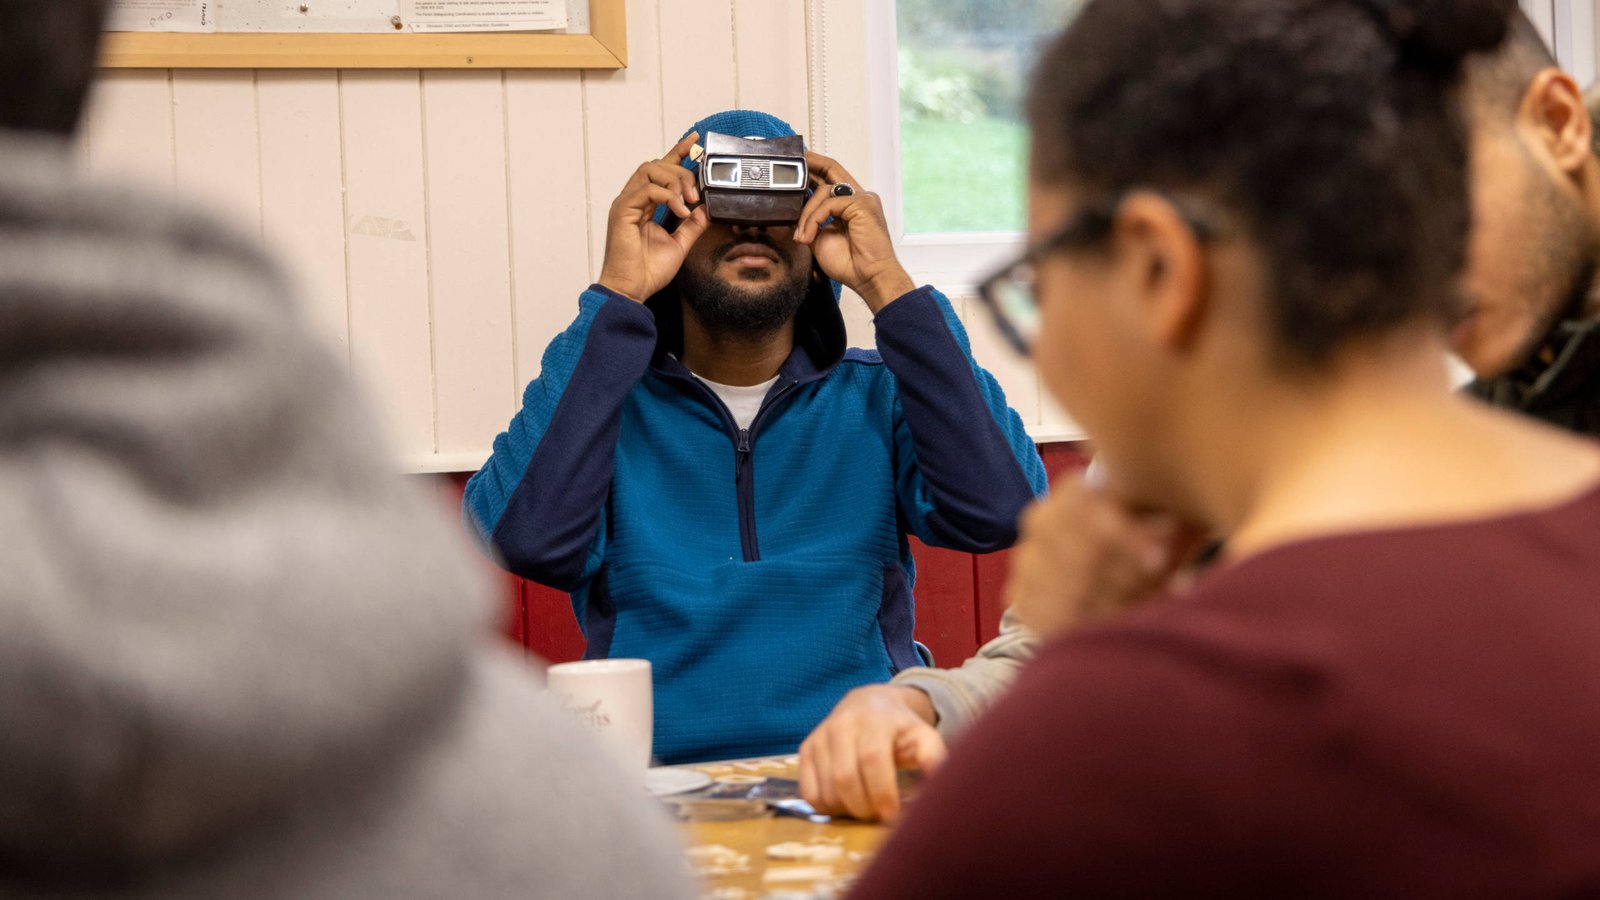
<point>641,256</point>
<point>854,248</point>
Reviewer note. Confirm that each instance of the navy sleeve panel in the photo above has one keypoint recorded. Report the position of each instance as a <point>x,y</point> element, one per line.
<point>967,467</point>
<point>548,527</point>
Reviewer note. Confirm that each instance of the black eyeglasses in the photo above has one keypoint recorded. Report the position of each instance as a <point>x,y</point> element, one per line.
<point>1010,293</point>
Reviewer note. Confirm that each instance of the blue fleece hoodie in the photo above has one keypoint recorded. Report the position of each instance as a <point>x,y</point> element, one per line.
<point>763,572</point>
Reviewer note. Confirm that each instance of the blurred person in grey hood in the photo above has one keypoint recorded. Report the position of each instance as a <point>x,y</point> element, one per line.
<point>238,657</point>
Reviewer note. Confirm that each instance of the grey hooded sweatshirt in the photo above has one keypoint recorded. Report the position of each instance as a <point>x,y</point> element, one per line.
<point>238,656</point>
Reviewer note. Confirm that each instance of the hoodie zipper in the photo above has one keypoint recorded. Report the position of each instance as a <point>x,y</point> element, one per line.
<point>743,469</point>
<point>745,488</point>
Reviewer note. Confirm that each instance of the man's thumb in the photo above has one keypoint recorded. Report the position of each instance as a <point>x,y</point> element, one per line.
<point>690,229</point>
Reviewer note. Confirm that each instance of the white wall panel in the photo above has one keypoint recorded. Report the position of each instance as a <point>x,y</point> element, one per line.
<point>549,220</point>
<point>302,191</point>
<point>698,75</point>
<point>842,124</point>
<point>215,142</point>
<point>470,255</point>
<point>1054,422</point>
<point>127,132</point>
<point>391,340</point>
<point>770,55</point>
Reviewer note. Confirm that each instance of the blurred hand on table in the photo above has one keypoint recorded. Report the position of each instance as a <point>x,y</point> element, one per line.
<point>850,764</point>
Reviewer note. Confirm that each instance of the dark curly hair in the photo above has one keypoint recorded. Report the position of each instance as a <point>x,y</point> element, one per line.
<point>48,52</point>
<point>1328,130</point>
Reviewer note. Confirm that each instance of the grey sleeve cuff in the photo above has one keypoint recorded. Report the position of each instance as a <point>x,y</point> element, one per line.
<point>961,695</point>
<point>953,706</point>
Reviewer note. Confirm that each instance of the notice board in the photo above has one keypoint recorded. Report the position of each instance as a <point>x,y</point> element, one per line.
<point>367,34</point>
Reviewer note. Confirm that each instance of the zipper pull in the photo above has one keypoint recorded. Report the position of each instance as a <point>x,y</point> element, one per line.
<point>742,454</point>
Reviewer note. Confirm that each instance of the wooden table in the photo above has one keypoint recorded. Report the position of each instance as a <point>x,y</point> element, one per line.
<point>747,871</point>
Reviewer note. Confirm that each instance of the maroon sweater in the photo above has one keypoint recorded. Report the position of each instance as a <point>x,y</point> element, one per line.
<point>1408,713</point>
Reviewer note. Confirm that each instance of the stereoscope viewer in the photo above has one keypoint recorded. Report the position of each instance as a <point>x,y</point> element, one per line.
<point>754,181</point>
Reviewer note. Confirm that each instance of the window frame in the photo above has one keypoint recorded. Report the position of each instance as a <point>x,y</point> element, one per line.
<point>1570,28</point>
<point>957,261</point>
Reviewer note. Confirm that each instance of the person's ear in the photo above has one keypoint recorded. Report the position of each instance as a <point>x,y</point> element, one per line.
<point>1168,260</point>
<point>1553,111</point>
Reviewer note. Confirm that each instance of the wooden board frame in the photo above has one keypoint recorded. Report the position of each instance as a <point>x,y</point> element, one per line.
<point>605,47</point>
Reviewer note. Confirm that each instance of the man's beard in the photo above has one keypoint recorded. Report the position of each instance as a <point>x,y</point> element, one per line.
<point>1566,271</point>
<point>755,310</point>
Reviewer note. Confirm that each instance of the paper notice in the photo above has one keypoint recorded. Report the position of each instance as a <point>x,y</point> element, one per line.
<point>487,15</point>
<point>163,15</point>
<point>312,16</point>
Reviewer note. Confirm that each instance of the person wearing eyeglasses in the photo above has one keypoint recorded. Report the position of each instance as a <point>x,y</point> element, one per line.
<point>1531,333</point>
<point>1248,219</point>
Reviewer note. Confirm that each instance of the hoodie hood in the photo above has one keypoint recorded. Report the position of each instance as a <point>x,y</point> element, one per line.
<point>213,598</point>
<point>819,326</point>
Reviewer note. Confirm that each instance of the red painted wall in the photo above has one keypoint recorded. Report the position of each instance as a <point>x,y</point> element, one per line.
<point>958,595</point>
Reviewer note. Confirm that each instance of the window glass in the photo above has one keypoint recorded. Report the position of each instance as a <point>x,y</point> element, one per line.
<point>964,68</point>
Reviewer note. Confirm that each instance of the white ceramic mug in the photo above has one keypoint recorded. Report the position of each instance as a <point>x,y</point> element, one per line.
<point>612,698</point>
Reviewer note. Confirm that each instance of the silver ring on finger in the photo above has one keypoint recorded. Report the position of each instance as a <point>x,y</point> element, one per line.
<point>841,190</point>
